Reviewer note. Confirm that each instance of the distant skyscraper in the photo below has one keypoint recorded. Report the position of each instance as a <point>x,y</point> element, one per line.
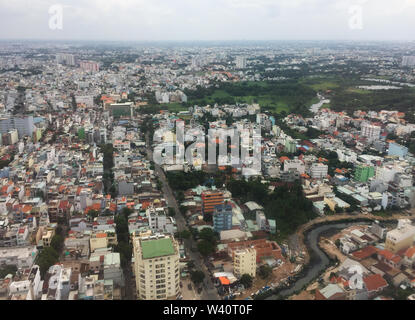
<point>63,58</point>
<point>240,62</point>
<point>23,124</point>
<point>89,66</point>
<point>408,61</point>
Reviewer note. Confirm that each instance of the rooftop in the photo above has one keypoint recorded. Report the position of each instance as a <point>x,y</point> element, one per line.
<point>157,248</point>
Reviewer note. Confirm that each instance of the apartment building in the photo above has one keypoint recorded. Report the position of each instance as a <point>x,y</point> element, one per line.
<point>319,171</point>
<point>370,131</point>
<point>222,218</point>
<point>244,262</point>
<point>211,199</point>
<point>400,238</point>
<point>156,267</point>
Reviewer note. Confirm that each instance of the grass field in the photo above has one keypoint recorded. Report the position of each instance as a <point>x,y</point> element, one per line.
<point>276,97</point>
<point>174,107</point>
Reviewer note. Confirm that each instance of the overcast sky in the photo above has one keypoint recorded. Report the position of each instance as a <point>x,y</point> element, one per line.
<point>210,19</point>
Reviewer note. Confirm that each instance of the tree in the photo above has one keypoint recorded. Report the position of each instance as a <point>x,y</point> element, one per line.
<point>125,251</point>
<point>185,234</point>
<point>197,277</point>
<point>6,270</point>
<point>172,212</point>
<point>208,234</point>
<point>57,243</point>
<point>205,248</point>
<point>47,258</point>
<point>93,214</point>
<point>246,280</point>
<point>265,271</point>
<point>337,243</point>
<point>191,264</point>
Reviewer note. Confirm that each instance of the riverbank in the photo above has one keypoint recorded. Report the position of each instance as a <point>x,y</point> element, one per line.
<point>316,260</point>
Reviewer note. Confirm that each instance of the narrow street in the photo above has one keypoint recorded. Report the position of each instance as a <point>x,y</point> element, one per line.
<point>209,291</point>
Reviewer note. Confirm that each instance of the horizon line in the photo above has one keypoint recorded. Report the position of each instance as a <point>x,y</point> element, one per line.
<point>199,40</point>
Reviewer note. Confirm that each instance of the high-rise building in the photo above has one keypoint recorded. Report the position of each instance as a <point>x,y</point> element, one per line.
<point>290,145</point>
<point>23,124</point>
<point>319,171</point>
<point>244,262</point>
<point>408,61</point>
<point>211,199</point>
<point>64,58</point>
<point>222,217</point>
<point>363,173</point>
<point>156,267</point>
<point>240,62</point>
<point>370,131</point>
<point>89,66</point>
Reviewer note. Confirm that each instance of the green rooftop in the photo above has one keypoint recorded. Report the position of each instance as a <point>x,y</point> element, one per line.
<point>157,248</point>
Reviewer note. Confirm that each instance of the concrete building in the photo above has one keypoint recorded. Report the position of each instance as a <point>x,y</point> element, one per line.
<point>319,171</point>
<point>295,164</point>
<point>23,124</point>
<point>222,218</point>
<point>408,61</point>
<point>89,66</point>
<point>244,262</point>
<point>211,199</point>
<point>21,257</point>
<point>156,267</point>
<point>261,221</point>
<point>400,238</point>
<point>370,131</point>
<point>64,58</point>
<point>397,150</point>
<point>240,62</point>
<point>363,173</point>
<point>290,146</point>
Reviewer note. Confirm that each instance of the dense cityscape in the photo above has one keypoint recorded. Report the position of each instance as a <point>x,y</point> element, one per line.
<point>88,212</point>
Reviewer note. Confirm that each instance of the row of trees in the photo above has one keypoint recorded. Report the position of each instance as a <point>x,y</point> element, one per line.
<point>108,177</point>
<point>181,181</point>
<point>124,248</point>
<point>50,255</point>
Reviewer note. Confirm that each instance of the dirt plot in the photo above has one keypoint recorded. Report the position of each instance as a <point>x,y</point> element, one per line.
<point>280,273</point>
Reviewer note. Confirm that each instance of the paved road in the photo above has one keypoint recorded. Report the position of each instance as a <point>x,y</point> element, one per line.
<point>209,291</point>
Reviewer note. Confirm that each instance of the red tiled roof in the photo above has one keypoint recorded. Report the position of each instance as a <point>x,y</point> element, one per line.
<point>365,252</point>
<point>375,282</point>
<point>386,254</point>
<point>410,252</point>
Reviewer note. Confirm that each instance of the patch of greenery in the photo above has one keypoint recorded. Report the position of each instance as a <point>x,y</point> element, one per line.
<point>276,96</point>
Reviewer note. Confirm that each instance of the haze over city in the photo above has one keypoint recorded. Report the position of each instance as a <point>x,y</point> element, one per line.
<point>159,20</point>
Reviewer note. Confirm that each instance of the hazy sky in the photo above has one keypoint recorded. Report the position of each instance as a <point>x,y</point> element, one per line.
<point>210,19</point>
